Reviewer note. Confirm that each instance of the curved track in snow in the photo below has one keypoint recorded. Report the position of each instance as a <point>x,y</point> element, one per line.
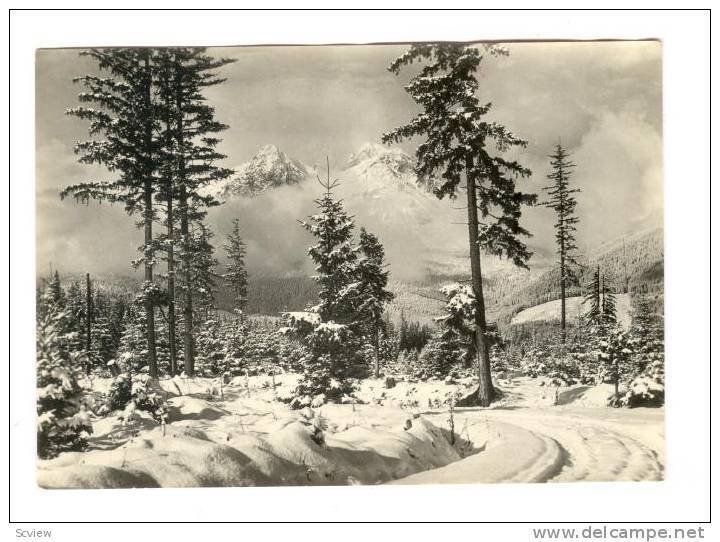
<point>555,444</point>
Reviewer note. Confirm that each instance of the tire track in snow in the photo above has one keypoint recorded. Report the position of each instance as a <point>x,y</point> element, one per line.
<point>546,446</point>
<point>597,452</point>
<point>512,454</point>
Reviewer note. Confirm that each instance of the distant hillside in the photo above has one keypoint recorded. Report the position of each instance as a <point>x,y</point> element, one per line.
<point>270,296</point>
<point>508,289</point>
<point>550,311</point>
<point>636,262</point>
<point>631,264</point>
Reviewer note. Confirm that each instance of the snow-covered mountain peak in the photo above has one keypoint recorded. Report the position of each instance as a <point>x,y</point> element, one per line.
<point>269,155</point>
<point>270,160</point>
<point>374,161</point>
<point>268,168</point>
<point>369,153</point>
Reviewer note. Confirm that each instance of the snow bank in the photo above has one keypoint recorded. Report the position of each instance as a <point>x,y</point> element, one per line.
<point>176,460</point>
<point>587,396</point>
<point>249,439</point>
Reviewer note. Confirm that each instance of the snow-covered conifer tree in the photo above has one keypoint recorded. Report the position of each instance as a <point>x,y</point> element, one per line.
<point>562,201</point>
<point>236,274</point>
<point>335,258</point>
<point>371,284</point>
<point>593,300</point>
<point>184,75</point>
<point>458,142</point>
<point>76,303</point>
<point>615,358</point>
<point>609,312</point>
<point>63,423</point>
<point>647,378</point>
<point>210,349</point>
<point>103,344</point>
<point>332,329</point>
<point>202,273</point>
<point>132,351</point>
<point>122,130</point>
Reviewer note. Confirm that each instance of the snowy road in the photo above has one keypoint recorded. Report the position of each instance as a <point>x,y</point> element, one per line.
<point>400,435</point>
<point>556,444</point>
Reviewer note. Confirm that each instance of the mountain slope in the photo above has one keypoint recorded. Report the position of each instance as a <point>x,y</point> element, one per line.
<point>632,263</point>
<point>550,311</point>
<point>377,165</point>
<point>269,168</point>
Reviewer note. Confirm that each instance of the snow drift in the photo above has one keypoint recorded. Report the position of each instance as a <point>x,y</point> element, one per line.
<point>251,440</point>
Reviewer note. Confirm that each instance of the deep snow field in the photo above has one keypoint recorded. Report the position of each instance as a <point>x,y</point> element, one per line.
<point>241,434</point>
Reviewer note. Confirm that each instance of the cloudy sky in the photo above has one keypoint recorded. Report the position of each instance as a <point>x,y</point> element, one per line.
<point>603,100</point>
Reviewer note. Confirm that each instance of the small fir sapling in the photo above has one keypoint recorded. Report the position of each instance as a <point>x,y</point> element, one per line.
<point>63,407</point>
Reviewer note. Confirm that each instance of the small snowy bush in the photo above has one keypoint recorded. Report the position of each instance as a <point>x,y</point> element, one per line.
<point>646,389</point>
<point>533,363</point>
<point>135,393</point>
<point>119,394</point>
<point>334,356</point>
<point>615,360</point>
<point>316,424</point>
<point>210,359</point>
<point>147,396</point>
<point>440,356</point>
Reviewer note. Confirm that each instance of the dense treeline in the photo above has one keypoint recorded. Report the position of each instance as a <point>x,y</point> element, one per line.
<point>270,295</point>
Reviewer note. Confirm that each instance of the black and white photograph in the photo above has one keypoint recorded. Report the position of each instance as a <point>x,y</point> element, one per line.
<point>420,267</point>
<point>410,264</point>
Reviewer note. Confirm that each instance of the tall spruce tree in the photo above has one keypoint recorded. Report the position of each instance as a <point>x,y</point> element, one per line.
<point>562,201</point>
<point>169,192</point>
<point>373,295</point>
<point>195,159</point>
<point>122,124</point>
<point>236,274</point>
<point>458,142</point>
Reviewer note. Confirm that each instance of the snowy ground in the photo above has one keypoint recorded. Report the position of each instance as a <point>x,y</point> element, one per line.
<point>240,434</point>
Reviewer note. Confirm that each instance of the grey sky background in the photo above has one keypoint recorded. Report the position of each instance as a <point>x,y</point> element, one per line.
<point>602,99</point>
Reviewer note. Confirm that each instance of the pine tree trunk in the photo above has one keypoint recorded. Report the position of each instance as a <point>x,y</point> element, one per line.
<point>600,292</point>
<point>563,333</point>
<point>148,219</point>
<point>616,376</point>
<point>170,226</point>
<point>171,286</point>
<point>188,331</point>
<point>485,389</point>
<point>88,313</point>
<point>376,346</point>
